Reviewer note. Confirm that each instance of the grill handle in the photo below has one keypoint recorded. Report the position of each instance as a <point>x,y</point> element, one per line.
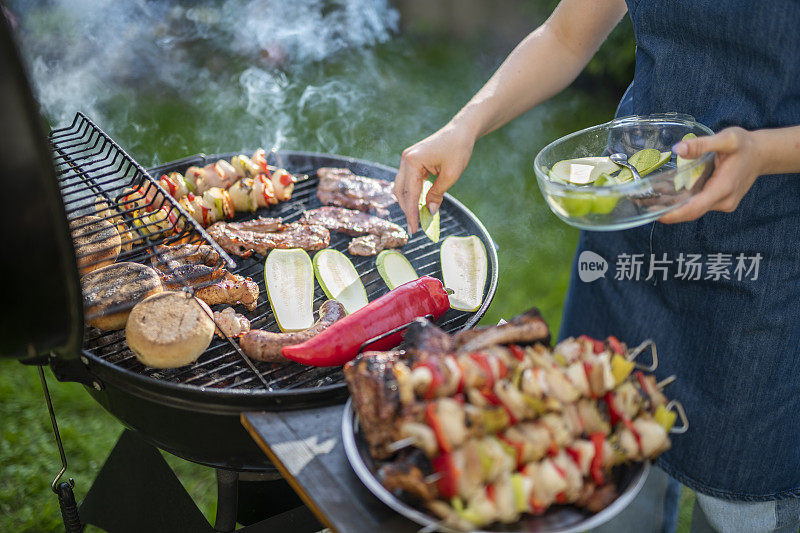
<point>69,508</point>
<point>389,333</point>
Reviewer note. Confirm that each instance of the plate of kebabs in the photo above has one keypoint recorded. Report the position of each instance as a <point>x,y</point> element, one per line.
<point>492,429</point>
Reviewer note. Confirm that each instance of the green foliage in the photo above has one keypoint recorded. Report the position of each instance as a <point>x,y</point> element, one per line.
<point>614,62</point>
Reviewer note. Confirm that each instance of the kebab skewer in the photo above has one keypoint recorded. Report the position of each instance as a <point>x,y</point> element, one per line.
<point>443,424</point>
<point>560,461</point>
<point>558,452</point>
<point>216,191</point>
<point>557,458</point>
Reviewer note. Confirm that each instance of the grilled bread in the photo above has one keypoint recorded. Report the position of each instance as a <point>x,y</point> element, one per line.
<point>110,292</point>
<point>169,329</point>
<point>97,242</point>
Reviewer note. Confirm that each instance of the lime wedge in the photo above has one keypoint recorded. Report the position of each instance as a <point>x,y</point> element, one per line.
<point>429,223</point>
<point>603,205</point>
<point>687,179</point>
<point>645,161</point>
<point>576,204</point>
<point>582,171</point>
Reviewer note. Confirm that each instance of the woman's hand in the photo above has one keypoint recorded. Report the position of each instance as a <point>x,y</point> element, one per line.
<point>444,154</point>
<point>737,165</point>
<point>543,64</point>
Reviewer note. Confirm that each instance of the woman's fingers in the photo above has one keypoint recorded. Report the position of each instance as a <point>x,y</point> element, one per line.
<point>408,187</point>
<point>443,182</point>
<point>723,142</point>
<point>715,196</point>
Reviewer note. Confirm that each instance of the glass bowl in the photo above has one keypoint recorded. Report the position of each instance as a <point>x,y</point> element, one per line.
<point>632,203</point>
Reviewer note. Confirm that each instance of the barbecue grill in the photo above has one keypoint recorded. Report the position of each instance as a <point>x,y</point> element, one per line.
<point>192,412</point>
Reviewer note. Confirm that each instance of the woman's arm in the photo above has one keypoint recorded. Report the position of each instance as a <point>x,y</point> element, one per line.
<point>742,156</point>
<point>543,64</point>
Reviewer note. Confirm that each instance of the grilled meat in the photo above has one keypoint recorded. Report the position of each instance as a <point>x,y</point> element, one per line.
<point>195,276</point>
<point>340,187</point>
<point>372,233</point>
<point>258,225</point>
<point>407,474</point>
<point>505,429</point>
<point>527,328</point>
<point>266,345</point>
<point>184,264</point>
<point>167,258</point>
<point>243,242</point>
<point>424,339</point>
<point>231,323</point>
<point>232,289</point>
<point>373,388</point>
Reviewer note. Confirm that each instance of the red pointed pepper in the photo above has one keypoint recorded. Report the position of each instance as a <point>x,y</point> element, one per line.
<point>341,341</point>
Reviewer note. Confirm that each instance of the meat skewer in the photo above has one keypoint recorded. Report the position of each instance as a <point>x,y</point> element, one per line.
<point>443,424</point>
<point>216,191</point>
<point>482,431</point>
<point>533,450</point>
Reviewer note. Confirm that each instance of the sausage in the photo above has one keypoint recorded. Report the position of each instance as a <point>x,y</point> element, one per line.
<point>266,345</point>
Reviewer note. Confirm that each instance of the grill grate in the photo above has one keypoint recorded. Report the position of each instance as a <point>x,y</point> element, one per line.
<point>96,166</point>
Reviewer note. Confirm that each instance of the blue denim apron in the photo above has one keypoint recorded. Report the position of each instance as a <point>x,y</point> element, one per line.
<point>734,344</point>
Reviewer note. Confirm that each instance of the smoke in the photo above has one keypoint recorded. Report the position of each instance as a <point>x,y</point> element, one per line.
<point>235,73</point>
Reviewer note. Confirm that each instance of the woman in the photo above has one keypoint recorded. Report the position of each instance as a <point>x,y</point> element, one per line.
<point>734,343</point>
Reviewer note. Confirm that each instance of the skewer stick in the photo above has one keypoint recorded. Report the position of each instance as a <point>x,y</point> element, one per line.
<point>433,478</point>
<point>633,354</point>
<point>400,444</point>
<point>666,381</point>
<point>681,414</point>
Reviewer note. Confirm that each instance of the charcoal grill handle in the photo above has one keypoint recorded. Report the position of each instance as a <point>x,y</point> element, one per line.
<point>69,508</point>
<point>389,333</point>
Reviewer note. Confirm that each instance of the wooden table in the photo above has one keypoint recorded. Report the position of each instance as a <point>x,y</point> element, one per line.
<point>307,448</point>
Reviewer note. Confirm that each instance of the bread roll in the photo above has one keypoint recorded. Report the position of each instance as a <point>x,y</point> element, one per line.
<point>109,293</point>
<point>97,242</point>
<point>169,329</point>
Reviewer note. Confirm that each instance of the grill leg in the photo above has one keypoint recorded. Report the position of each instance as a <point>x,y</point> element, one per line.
<point>227,500</point>
<point>137,491</point>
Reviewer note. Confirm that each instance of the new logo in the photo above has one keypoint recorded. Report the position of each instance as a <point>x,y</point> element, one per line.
<point>591,266</point>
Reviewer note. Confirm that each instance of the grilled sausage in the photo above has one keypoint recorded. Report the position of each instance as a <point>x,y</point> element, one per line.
<point>266,345</point>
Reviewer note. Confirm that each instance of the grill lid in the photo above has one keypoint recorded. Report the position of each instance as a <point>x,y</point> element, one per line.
<point>40,288</point>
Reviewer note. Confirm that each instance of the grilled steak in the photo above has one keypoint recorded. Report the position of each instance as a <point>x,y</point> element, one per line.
<point>340,187</point>
<point>372,233</point>
<point>243,242</point>
<point>258,225</point>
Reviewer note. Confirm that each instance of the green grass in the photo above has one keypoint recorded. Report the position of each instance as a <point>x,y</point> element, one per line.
<point>382,101</point>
